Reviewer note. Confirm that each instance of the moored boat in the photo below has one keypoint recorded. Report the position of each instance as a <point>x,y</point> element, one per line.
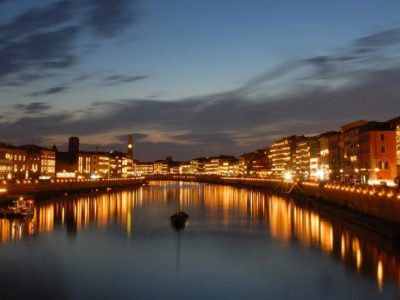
<point>19,209</point>
<point>179,219</point>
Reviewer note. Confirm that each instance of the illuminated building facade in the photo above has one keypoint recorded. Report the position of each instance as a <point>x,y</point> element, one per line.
<point>13,162</point>
<point>41,162</point>
<point>398,147</point>
<point>84,164</point>
<point>100,165</point>
<point>144,168</point>
<point>377,153</point>
<point>175,170</point>
<point>308,159</point>
<point>161,167</point>
<point>211,166</point>
<point>349,149</point>
<point>186,168</point>
<point>395,125</point>
<point>302,159</point>
<point>194,166</point>
<point>120,165</point>
<point>257,163</point>
<point>330,155</point>
<point>197,166</point>
<point>222,165</point>
<point>283,156</point>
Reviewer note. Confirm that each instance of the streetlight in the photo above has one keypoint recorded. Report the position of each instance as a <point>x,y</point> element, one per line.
<point>377,171</point>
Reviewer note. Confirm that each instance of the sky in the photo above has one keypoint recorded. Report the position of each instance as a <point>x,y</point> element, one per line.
<point>191,78</point>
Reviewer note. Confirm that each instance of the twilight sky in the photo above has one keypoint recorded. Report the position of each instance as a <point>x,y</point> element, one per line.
<point>194,78</point>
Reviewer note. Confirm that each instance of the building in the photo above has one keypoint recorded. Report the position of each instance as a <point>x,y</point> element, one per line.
<point>395,125</point>
<point>257,163</point>
<point>144,168</point>
<point>127,166</point>
<point>130,148</point>
<point>73,145</point>
<point>186,168</point>
<point>41,162</point>
<point>302,159</point>
<point>377,161</point>
<point>120,165</point>
<point>84,164</point>
<point>330,155</point>
<point>349,150</point>
<point>175,168</point>
<point>222,165</point>
<point>161,167</point>
<point>195,166</point>
<point>13,162</point>
<point>308,159</point>
<point>283,157</point>
<point>100,165</point>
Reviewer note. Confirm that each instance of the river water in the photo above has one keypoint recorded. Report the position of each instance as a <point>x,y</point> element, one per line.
<point>238,244</point>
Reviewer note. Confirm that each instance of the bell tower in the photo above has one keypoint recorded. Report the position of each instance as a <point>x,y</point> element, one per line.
<point>130,147</point>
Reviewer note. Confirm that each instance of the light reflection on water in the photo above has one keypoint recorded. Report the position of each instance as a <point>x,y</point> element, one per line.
<point>215,210</point>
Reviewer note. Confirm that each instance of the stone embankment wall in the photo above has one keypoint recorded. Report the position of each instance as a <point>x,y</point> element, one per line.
<point>8,190</point>
<point>381,202</point>
<point>375,201</point>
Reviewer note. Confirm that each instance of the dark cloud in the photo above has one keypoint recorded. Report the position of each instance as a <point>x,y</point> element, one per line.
<point>24,77</point>
<point>48,36</point>
<point>136,136</point>
<point>50,91</point>
<point>38,51</point>
<point>37,19</point>
<point>34,107</point>
<point>108,18</point>
<point>118,79</point>
<point>384,38</point>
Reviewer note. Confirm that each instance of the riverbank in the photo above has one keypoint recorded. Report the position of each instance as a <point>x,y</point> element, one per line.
<point>376,209</point>
<point>27,189</point>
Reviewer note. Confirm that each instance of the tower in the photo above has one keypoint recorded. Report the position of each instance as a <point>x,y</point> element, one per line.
<point>73,146</point>
<point>130,147</point>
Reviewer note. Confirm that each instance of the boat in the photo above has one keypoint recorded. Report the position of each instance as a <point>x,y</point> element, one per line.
<point>179,219</point>
<point>19,209</point>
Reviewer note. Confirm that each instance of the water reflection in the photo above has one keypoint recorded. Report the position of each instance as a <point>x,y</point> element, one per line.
<point>224,208</point>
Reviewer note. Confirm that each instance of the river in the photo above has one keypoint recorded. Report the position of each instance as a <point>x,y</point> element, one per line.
<point>238,244</point>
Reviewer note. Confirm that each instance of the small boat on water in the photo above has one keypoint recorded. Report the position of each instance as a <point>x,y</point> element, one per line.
<point>179,219</point>
<point>19,209</point>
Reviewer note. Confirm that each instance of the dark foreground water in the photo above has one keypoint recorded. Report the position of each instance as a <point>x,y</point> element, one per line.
<point>238,244</point>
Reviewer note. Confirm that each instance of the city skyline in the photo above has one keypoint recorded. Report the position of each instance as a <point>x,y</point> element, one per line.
<point>193,79</point>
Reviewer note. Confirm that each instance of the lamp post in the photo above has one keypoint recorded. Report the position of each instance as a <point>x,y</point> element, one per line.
<point>377,172</point>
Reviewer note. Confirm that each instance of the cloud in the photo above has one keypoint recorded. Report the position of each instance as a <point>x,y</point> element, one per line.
<point>50,91</point>
<point>387,37</point>
<point>36,19</point>
<point>47,37</point>
<point>108,18</point>
<point>119,79</point>
<point>38,51</point>
<point>33,107</point>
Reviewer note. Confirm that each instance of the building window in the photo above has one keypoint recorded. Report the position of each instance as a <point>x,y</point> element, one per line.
<point>383,150</point>
<point>382,137</point>
<point>384,165</point>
